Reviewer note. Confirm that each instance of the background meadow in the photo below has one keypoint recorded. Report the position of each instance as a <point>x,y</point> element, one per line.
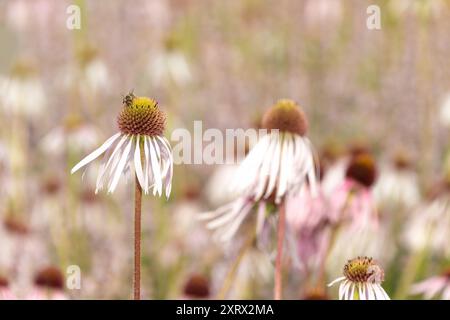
<point>224,63</point>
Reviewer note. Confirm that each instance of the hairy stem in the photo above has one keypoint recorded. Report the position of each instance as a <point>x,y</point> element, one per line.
<point>137,241</point>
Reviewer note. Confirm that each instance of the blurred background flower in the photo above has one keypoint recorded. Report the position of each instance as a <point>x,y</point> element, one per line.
<point>384,91</point>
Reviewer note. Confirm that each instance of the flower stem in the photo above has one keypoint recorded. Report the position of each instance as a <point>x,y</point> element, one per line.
<point>278,262</point>
<point>137,241</point>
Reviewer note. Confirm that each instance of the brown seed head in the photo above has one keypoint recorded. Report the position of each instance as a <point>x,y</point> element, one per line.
<point>362,169</point>
<point>363,269</point>
<point>197,286</point>
<point>15,226</point>
<point>286,116</point>
<point>141,116</point>
<point>4,283</point>
<point>49,277</point>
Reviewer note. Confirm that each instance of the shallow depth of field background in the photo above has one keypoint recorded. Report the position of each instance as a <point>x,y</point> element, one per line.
<point>222,62</point>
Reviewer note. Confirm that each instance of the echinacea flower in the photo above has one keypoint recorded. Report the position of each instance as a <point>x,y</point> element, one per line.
<point>282,161</point>
<point>361,281</point>
<point>434,286</point>
<point>140,143</point>
<point>279,165</point>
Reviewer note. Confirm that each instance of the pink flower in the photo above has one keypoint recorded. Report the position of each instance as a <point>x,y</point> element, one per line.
<point>354,203</point>
<point>431,287</point>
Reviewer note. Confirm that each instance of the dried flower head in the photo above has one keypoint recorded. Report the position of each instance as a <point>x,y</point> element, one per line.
<point>362,169</point>
<point>49,277</point>
<point>197,287</point>
<point>286,116</point>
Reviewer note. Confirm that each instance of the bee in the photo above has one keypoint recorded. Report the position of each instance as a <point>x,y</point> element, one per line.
<point>128,99</point>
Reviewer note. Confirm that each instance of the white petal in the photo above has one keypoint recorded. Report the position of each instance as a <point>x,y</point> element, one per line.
<point>285,161</point>
<point>352,292</point>
<point>236,224</point>
<point>95,153</point>
<point>361,291</point>
<point>169,153</point>
<point>335,281</point>
<point>264,172</point>
<point>147,172</point>
<point>275,169</point>
<point>370,292</point>
<point>138,164</point>
<point>105,166</point>
<point>237,207</point>
<point>120,167</point>
<point>215,213</point>
<point>156,170</point>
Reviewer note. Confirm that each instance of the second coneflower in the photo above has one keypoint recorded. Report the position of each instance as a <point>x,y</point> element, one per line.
<point>139,144</point>
<point>279,165</point>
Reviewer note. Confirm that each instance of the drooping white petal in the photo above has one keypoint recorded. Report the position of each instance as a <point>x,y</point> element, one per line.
<point>138,164</point>
<point>361,292</point>
<point>336,281</point>
<point>275,168</point>
<point>283,178</point>
<point>147,171</point>
<point>96,153</point>
<point>264,173</point>
<point>370,292</point>
<point>156,170</point>
<point>120,167</point>
<point>215,213</point>
<point>104,166</point>
<point>234,226</point>
<point>351,296</point>
<point>168,179</point>
<point>227,216</point>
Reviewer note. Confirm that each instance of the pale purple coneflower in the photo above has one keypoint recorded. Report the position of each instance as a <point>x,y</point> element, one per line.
<point>361,281</point>
<point>434,287</point>
<point>279,165</point>
<point>352,201</point>
<point>141,144</point>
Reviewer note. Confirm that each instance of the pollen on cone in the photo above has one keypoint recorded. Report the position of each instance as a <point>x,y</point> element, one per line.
<point>142,117</point>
